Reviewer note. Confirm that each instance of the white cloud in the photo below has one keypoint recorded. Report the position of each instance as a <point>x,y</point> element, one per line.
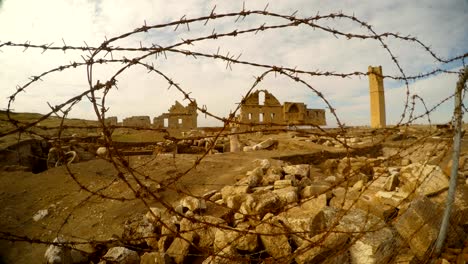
<point>436,23</point>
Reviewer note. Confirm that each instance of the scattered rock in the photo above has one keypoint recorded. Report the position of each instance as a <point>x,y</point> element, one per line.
<point>193,204</point>
<point>282,184</point>
<point>275,240</point>
<point>121,255</point>
<point>321,247</point>
<point>302,170</point>
<point>40,215</point>
<point>419,225</point>
<point>267,144</point>
<point>155,258</point>
<point>391,182</point>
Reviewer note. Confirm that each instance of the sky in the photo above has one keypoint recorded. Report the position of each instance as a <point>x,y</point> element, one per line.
<point>438,24</point>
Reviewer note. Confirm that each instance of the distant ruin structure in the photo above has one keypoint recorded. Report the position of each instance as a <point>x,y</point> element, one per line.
<point>111,121</point>
<point>178,117</point>
<point>271,111</point>
<point>137,121</point>
<point>377,97</point>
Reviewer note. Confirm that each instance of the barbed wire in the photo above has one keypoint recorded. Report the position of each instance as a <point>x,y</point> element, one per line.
<point>136,179</point>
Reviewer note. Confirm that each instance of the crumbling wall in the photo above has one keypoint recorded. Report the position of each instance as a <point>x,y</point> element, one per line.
<point>111,121</point>
<point>178,117</point>
<point>271,112</point>
<point>138,121</point>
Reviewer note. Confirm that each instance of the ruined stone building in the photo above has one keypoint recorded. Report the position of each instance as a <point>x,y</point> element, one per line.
<point>178,117</point>
<point>253,110</point>
<point>377,97</point>
<point>111,121</point>
<point>139,121</point>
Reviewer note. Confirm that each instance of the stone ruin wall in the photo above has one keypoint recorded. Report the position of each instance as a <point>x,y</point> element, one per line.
<point>138,121</point>
<point>178,117</point>
<point>271,111</point>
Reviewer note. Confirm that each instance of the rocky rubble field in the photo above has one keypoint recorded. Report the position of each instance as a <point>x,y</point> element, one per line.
<point>345,210</point>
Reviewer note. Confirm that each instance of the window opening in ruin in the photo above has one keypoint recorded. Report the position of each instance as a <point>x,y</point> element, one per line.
<point>293,109</point>
<point>260,117</point>
<point>250,116</point>
<point>272,117</point>
<point>166,122</point>
<point>180,121</point>
<point>261,98</point>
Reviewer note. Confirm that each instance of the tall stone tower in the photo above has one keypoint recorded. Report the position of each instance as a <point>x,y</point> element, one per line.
<point>377,97</point>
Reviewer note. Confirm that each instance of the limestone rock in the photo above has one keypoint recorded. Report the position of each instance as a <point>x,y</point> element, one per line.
<point>240,239</point>
<point>419,225</point>
<point>268,202</point>
<point>180,247</point>
<point>321,247</point>
<point>315,189</point>
<point>263,163</point>
<point>282,184</point>
<point>234,143</point>
<point>275,240</point>
<point>138,231</point>
<point>155,258</point>
<point>122,255</point>
<point>233,196</point>
<point>304,221</point>
<point>205,229</point>
<point>287,195</point>
<point>56,254</point>
<point>377,246</point>
<point>253,178</point>
<point>269,143</point>
<point>391,182</point>
<point>302,170</point>
<point>270,179</point>
<point>426,179</point>
<point>193,204</point>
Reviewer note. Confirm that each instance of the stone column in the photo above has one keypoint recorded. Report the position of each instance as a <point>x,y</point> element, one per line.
<point>377,97</point>
<point>234,141</point>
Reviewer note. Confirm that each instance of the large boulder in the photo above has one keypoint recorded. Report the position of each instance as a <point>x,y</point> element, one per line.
<point>274,239</point>
<point>373,240</point>
<point>304,221</point>
<point>425,179</point>
<point>419,226</point>
<point>240,239</point>
<point>193,204</point>
<point>121,255</point>
<point>302,170</point>
<point>180,247</point>
<point>322,247</point>
<point>155,258</point>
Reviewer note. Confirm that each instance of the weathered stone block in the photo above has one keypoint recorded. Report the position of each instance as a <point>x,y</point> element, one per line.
<point>419,225</point>
<point>275,240</point>
<point>391,182</point>
<point>425,179</point>
<point>122,255</point>
<point>320,247</point>
<point>180,247</point>
<point>287,195</point>
<point>302,170</point>
<point>283,184</point>
<point>155,258</point>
